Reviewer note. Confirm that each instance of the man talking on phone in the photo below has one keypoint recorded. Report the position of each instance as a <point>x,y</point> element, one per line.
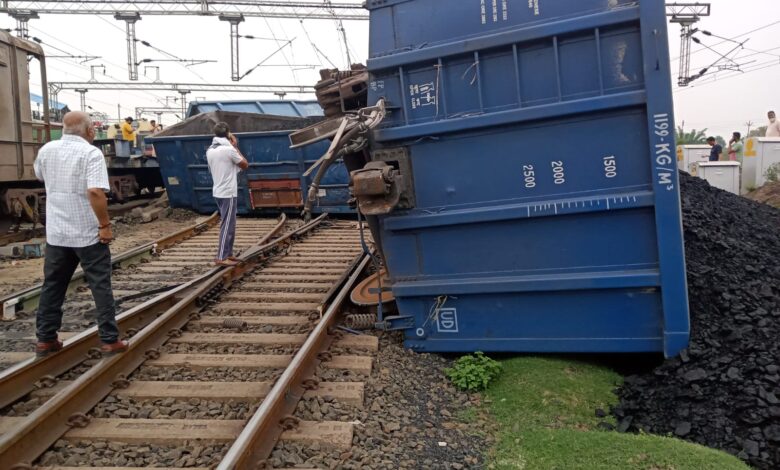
<point>225,162</point>
<point>78,230</point>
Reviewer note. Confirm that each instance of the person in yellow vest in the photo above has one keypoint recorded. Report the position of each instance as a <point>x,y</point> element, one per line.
<point>128,133</point>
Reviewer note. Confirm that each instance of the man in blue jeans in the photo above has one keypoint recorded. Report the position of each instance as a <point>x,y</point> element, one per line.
<point>225,162</point>
<point>78,230</point>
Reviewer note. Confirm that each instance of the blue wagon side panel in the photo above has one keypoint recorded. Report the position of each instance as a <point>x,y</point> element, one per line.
<point>547,214</point>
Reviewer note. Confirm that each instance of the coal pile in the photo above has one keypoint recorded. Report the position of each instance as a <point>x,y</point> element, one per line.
<point>724,391</point>
<point>203,124</point>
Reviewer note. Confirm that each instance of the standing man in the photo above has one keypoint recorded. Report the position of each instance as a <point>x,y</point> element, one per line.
<point>155,127</point>
<point>773,129</point>
<point>225,161</point>
<point>735,147</point>
<point>78,230</point>
<point>128,133</point>
<point>716,149</point>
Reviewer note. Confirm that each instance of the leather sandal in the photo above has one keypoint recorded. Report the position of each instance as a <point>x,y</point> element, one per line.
<point>109,349</point>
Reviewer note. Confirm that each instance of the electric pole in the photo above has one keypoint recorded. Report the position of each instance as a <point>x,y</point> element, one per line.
<point>686,15</point>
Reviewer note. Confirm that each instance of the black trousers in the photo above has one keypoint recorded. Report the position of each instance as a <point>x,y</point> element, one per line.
<point>58,269</point>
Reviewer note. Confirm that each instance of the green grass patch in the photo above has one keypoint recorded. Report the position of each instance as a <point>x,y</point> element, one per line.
<point>545,411</point>
<point>468,415</point>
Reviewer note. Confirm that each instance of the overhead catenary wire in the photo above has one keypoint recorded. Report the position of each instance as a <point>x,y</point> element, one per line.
<point>753,54</point>
<point>760,28</point>
<point>340,29</point>
<point>730,74</point>
<point>273,34</point>
<point>252,69</point>
<point>67,54</point>
<point>41,32</point>
<point>317,50</point>
<point>146,43</point>
<point>721,57</point>
<point>69,63</point>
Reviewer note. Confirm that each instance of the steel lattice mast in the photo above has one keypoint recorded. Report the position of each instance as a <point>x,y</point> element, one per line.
<point>686,15</point>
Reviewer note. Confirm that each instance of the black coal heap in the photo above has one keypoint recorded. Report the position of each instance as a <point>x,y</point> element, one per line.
<point>724,391</point>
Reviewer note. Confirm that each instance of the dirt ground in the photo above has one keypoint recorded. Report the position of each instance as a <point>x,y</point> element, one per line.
<point>19,274</point>
<point>768,194</point>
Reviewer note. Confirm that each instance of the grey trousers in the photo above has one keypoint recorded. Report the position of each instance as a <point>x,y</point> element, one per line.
<point>227,229</point>
<point>58,268</point>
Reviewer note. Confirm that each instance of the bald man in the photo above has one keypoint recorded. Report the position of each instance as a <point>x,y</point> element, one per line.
<point>78,230</point>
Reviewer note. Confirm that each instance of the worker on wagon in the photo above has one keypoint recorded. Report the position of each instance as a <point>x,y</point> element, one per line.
<point>735,147</point>
<point>773,128</point>
<point>78,230</point>
<point>155,127</point>
<point>716,150</point>
<point>225,161</point>
<point>128,133</point>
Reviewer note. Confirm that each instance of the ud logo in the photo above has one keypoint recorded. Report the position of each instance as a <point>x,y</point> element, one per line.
<point>447,320</point>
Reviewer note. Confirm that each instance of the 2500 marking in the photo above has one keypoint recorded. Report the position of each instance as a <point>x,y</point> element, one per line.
<point>530,176</point>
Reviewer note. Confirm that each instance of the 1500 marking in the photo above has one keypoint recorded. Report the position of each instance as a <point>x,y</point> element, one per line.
<point>610,166</point>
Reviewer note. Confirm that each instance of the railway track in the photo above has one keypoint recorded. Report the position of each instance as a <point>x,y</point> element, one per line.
<point>214,378</point>
<point>138,274</point>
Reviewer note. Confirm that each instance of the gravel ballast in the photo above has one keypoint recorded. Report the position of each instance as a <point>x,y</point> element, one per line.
<point>410,418</point>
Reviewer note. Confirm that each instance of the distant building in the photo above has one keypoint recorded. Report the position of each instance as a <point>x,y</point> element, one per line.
<point>55,114</point>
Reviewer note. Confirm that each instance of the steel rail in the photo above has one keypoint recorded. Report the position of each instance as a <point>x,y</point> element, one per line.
<point>44,426</point>
<point>27,299</point>
<point>22,378</point>
<point>21,235</point>
<point>258,439</point>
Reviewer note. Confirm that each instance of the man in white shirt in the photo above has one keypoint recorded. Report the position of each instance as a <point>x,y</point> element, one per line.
<point>225,162</point>
<point>773,129</point>
<point>78,230</point>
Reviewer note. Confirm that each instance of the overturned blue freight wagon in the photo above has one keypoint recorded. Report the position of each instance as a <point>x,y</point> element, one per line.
<point>275,179</point>
<point>540,207</point>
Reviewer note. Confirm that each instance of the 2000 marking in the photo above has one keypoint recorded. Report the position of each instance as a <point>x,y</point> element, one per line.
<point>559,175</point>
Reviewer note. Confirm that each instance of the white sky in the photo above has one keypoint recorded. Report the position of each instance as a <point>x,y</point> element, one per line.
<point>723,102</point>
